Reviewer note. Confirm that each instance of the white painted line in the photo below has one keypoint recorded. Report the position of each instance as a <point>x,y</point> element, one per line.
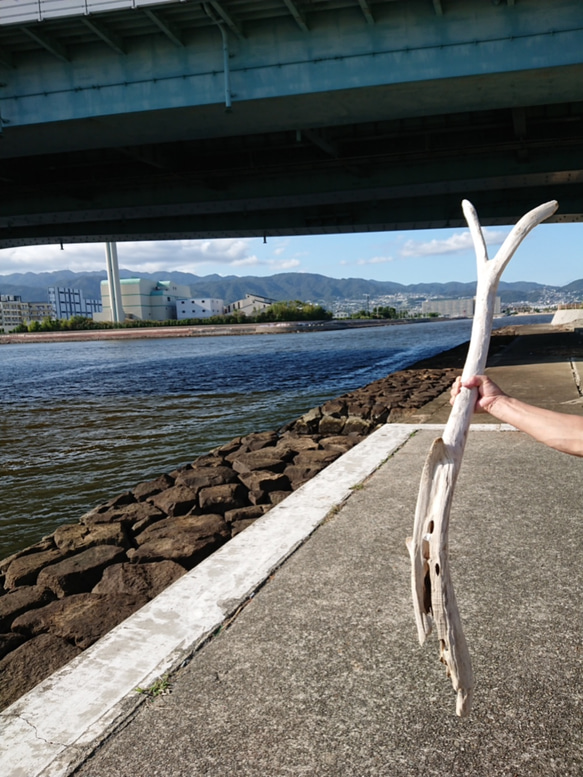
<point>50,730</point>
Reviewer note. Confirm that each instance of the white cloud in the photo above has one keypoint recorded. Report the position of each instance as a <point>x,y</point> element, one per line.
<point>376,260</point>
<point>456,243</point>
<point>156,256</point>
<point>254,261</point>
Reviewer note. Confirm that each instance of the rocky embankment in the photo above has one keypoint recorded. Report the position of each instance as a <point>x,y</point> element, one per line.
<point>59,596</point>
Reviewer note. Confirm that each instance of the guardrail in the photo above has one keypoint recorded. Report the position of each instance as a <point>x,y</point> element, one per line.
<point>22,11</point>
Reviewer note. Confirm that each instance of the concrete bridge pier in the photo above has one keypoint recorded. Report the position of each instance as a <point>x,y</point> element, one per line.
<point>117,313</point>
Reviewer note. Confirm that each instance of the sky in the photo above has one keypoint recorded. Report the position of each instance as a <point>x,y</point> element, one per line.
<point>552,254</point>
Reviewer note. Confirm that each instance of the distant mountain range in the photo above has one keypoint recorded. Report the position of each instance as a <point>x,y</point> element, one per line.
<point>32,287</point>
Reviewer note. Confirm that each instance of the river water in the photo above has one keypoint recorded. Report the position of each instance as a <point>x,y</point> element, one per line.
<point>82,422</point>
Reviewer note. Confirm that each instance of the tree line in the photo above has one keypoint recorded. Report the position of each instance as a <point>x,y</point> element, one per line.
<point>278,311</point>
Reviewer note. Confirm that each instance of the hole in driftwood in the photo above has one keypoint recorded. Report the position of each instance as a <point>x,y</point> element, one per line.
<point>430,527</point>
<point>437,569</point>
<point>427,593</point>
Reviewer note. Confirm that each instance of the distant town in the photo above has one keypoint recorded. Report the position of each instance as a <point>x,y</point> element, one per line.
<point>149,300</point>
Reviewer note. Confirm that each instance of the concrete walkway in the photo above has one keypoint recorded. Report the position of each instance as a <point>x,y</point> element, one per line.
<point>320,672</point>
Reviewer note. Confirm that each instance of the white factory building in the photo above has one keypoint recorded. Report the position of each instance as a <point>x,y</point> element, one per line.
<point>250,305</point>
<point>144,299</point>
<point>199,308</point>
<point>147,300</point>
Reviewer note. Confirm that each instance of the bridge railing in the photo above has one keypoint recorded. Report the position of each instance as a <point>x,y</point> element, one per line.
<point>22,11</point>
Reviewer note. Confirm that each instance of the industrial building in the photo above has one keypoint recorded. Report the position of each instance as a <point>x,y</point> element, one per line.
<point>144,299</point>
<point>199,308</point>
<point>68,302</point>
<point>250,305</point>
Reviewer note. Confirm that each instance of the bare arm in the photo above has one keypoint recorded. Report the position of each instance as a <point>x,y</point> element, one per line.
<point>557,430</point>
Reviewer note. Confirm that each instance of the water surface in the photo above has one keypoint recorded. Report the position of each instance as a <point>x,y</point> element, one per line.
<point>82,422</point>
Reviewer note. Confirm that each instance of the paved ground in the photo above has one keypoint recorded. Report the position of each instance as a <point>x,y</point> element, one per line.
<point>321,673</point>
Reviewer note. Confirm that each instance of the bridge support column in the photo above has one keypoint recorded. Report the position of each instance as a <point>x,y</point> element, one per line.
<point>117,314</point>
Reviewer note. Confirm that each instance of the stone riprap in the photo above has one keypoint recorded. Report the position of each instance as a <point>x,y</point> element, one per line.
<point>61,595</point>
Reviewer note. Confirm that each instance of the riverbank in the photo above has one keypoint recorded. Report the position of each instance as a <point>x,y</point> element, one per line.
<point>204,330</point>
<point>63,593</point>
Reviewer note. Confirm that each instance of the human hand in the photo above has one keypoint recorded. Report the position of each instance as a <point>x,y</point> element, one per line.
<point>488,391</point>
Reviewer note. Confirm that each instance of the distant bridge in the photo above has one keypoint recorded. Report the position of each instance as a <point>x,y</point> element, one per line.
<point>138,120</point>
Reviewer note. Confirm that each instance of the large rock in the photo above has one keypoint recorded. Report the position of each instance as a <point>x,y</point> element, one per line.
<point>30,663</point>
<point>379,412</point>
<point>299,474</point>
<point>127,515</point>
<point>14,603</point>
<point>340,443</point>
<point>81,618</point>
<point>266,458</point>
<point>219,499</point>
<point>78,536</point>
<point>9,642</point>
<point>80,572</point>
<point>200,525</point>
<point>320,458</point>
<point>308,423</point>
<point>142,579</point>
<point>177,500</point>
<point>360,407</point>
<point>331,424</point>
<point>246,513</point>
<point>297,443</point>
<point>203,477</point>
<point>261,483</point>
<point>45,544</point>
<point>188,541</point>
<point>355,425</point>
<point>110,512</point>
<point>258,440</point>
<point>275,497</point>
<point>150,487</point>
<point>335,407</point>
<point>223,450</point>
<point>25,569</point>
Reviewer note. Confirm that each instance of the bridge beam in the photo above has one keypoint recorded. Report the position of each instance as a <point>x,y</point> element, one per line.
<point>106,35</point>
<point>169,30</point>
<point>432,102</point>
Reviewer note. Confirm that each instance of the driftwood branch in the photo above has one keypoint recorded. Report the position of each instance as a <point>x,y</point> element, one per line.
<point>433,595</point>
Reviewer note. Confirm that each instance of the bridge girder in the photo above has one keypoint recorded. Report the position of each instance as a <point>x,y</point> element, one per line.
<point>347,116</point>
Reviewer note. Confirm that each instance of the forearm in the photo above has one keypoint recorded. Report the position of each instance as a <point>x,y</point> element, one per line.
<point>557,430</point>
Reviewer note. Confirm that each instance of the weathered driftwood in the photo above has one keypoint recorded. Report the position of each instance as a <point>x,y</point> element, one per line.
<point>433,595</point>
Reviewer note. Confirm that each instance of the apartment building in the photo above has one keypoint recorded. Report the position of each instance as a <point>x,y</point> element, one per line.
<point>455,308</point>
<point>13,312</point>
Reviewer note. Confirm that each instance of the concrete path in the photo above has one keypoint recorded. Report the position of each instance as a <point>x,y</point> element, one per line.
<point>320,672</point>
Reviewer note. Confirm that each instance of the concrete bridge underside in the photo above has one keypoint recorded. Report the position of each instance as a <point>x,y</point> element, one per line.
<point>182,120</point>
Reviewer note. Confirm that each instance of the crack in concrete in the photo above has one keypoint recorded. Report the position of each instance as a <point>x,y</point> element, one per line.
<point>37,735</point>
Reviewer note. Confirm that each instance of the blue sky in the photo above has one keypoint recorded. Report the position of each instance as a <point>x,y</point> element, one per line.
<point>552,254</point>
